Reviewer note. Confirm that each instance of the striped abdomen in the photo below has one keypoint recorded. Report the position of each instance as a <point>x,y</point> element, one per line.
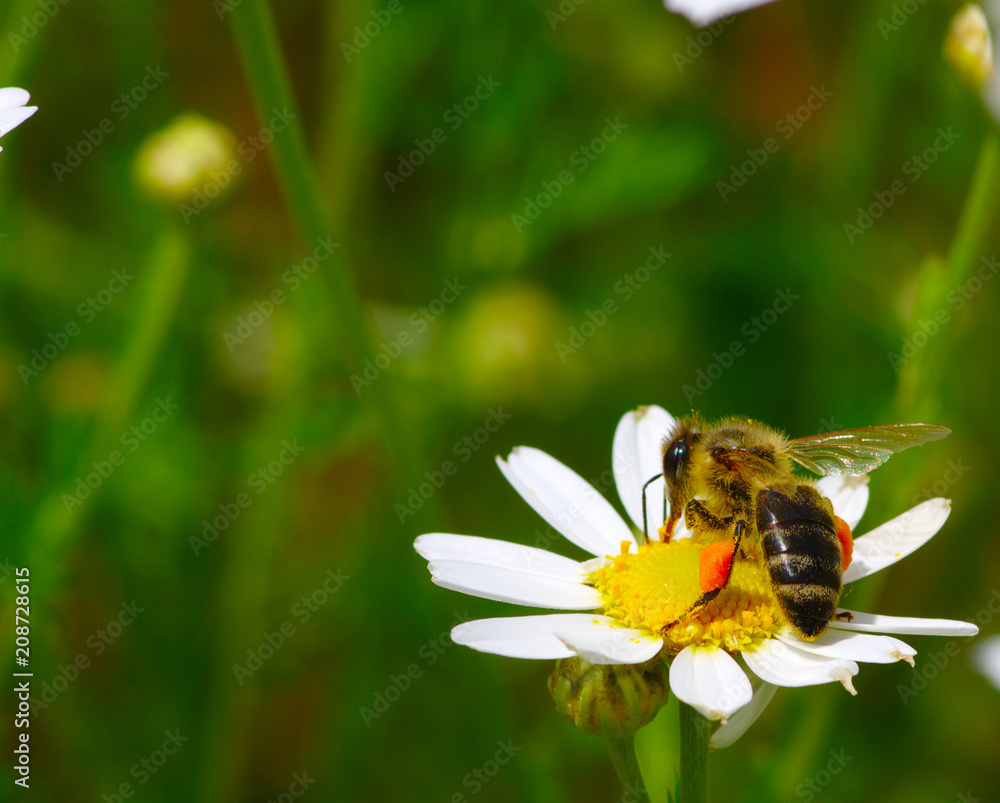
<point>803,557</point>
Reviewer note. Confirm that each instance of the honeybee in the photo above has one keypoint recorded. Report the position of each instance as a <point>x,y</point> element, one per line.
<point>734,478</point>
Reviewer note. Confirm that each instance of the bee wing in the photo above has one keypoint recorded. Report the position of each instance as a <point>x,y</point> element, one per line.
<point>857,451</point>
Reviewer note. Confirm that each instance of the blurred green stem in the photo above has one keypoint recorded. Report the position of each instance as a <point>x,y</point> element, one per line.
<point>692,783</point>
<point>268,77</point>
<point>937,279</point>
<point>627,766</point>
<point>916,399</point>
<point>162,276</point>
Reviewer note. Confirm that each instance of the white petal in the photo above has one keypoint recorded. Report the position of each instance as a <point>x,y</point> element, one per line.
<point>986,657</point>
<point>705,12</point>
<point>510,585</point>
<point>636,456</point>
<point>896,539</point>
<point>855,647</point>
<point>13,110</point>
<point>566,501</point>
<point>526,636</point>
<point>903,625</point>
<point>612,645</point>
<point>775,662</point>
<point>710,680</point>
<point>739,722</point>
<point>502,554</point>
<point>849,496</point>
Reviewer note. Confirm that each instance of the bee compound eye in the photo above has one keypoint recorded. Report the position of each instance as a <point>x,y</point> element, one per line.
<point>676,453</point>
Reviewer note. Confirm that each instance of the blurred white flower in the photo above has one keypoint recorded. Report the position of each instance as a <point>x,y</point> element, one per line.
<point>13,111</point>
<point>986,657</point>
<point>705,12</point>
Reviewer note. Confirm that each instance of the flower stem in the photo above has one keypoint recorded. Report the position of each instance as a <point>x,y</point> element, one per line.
<point>336,291</point>
<point>627,766</point>
<point>692,783</point>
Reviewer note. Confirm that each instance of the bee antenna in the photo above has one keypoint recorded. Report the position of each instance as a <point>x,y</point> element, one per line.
<point>645,520</point>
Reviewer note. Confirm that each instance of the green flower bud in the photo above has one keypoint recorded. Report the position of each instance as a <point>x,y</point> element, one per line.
<point>191,156</point>
<point>969,46</point>
<point>612,701</point>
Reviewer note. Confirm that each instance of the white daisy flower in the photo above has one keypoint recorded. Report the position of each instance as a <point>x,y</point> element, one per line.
<point>637,598</point>
<point>13,111</point>
<point>705,12</point>
<point>986,658</point>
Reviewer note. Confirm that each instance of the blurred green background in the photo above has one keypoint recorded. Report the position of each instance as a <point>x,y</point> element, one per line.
<point>487,302</point>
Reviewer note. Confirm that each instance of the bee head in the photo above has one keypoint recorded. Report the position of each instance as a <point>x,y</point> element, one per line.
<point>677,449</point>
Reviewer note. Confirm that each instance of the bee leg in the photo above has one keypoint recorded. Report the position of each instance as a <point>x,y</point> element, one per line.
<point>645,521</point>
<point>844,616</point>
<point>716,558</point>
<point>700,519</point>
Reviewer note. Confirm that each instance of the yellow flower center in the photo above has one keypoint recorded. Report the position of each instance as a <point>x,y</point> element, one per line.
<point>655,589</point>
